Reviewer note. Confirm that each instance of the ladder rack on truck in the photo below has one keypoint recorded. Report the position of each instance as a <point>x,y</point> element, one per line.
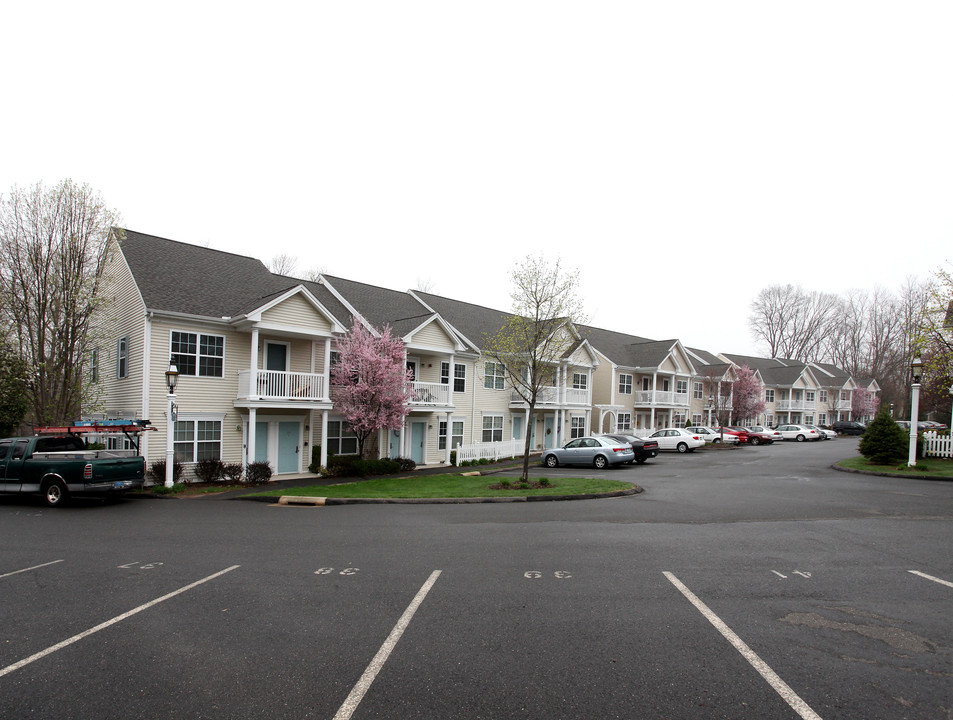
<point>132,429</point>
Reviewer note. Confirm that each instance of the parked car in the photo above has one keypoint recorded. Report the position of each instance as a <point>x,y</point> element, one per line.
<point>597,451</point>
<point>677,439</point>
<point>642,448</point>
<point>798,432</point>
<point>761,435</point>
<point>743,435</point>
<point>713,436</point>
<point>825,434</point>
<point>933,425</point>
<point>921,426</point>
<point>849,427</point>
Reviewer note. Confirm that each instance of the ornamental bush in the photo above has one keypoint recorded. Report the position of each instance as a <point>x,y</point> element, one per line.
<point>258,473</point>
<point>209,470</point>
<point>884,441</point>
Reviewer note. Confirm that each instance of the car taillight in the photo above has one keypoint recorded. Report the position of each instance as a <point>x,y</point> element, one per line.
<point>621,449</point>
<point>695,437</point>
<point>88,472</point>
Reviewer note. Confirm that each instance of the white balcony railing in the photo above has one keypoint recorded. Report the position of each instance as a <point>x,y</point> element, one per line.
<point>550,396</point>
<point>661,397</point>
<point>427,393</point>
<point>276,385</point>
<point>795,405</point>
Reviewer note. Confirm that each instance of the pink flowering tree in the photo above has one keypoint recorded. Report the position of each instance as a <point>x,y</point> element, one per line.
<point>863,403</point>
<point>746,396</point>
<point>371,382</point>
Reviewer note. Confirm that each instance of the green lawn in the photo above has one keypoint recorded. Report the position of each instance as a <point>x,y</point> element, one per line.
<point>925,468</point>
<point>449,486</point>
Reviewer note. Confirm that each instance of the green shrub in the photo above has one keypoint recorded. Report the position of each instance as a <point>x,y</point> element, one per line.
<point>544,482</point>
<point>505,484</point>
<point>484,461</point>
<point>233,472</point>
<point>453,457</point>
<point>406,464</point>
<point>315,466</point>
<point>158,471</point>
<point>209,470</point>
<point>884,441</point>
<point>258,473</point>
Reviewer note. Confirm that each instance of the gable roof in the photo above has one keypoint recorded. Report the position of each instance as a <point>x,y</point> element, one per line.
<point>176,277</point>
<point>472,322</point>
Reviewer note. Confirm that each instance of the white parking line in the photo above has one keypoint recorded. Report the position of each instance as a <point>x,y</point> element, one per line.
<point>357,693</point>
<point>930,577</point>
<point>15,572</point>
<point>779,686</point>
<point>102,626</point>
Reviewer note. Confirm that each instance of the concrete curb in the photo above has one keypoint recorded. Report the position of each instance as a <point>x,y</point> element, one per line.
<point>902,476</point>
<point>323,501</point>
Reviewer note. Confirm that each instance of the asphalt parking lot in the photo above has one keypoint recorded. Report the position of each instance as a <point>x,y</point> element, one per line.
<point>755,583</point>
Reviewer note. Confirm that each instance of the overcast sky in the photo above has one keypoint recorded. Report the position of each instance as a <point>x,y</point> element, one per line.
<point>682,155</point>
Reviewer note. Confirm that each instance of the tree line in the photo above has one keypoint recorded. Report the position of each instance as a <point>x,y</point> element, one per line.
<point>869,333</point>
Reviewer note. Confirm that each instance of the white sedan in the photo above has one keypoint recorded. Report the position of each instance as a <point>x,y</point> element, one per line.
<point>713,436</point>
<point>798,432</point>
<point>677,439</point>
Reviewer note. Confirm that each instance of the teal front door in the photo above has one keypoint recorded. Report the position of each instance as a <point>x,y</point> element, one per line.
<point>393,446</point>
<point>288,440</point>
<point>549,431</point>
<point>418,431</point>
<point>261,442</point>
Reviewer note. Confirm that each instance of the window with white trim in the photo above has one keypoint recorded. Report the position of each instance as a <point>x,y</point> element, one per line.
<point>492,428</point>
<point>845,395</point>
<point>580,381</point>
<point>809,396</point>
<point>198,354</point>
<point>681,387</point>
<point>822,396</point>
<point>679,420</point>
<point>341,440</point>
<point>625,384</point>
<point>494,377</point>
<point>822,419</point>
<point>577,426</point>
<point>769,421</point>
<point>698,391</point>
<point>769,395</point>
<point>122,357</point>
<point>195,440</point>
<point>808,419</point>
<point>94,365</point>
<point>624,422</point>
<point>696,419</point>
<point>459,376</point>
<point>456,434</point>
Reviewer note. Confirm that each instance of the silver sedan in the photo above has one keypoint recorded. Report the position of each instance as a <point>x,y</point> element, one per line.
<point>597,451</point>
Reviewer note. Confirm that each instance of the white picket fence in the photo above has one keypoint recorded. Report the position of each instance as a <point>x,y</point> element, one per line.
<point>490,451</point>
<point>937,445</point>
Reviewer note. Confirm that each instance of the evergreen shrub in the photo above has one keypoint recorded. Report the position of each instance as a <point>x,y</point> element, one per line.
<point>884,441</point>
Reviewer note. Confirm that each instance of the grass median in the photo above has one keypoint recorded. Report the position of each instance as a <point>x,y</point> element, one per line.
<point>451,486</point>
<point>925,468</point>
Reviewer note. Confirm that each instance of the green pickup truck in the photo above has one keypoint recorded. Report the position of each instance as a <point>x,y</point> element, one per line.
<point>61,465</point>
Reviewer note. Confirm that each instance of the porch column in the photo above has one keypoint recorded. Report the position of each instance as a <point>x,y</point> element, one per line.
<point>310,435</point>
<point>449,418</point>
<point>327,369</point>
<point>450,376</point>
<point>253,366</point>
<point>324,438</point>
<point>588,421</point>
<point>652,419</point>
<point>250,447</point>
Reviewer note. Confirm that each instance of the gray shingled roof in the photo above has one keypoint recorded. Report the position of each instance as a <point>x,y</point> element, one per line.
<point>773,371</point>
<point>177,277</point>
<point>625,350</point>
<point>399,310</point>
<point>474,322</point>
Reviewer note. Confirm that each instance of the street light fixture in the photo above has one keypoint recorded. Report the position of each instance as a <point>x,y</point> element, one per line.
<point>171,380</point>
<point>915,369</point>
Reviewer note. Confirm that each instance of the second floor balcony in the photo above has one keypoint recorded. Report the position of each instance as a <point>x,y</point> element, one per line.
<point>277,385</point>
<point>795,405</point>
<point>429,394</point>
<point>551,396</point>
<point>663,398</point>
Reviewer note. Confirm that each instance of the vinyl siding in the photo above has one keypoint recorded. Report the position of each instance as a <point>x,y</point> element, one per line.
<point>432,336</point>
<point>297,312</point>
<point>122,314</point>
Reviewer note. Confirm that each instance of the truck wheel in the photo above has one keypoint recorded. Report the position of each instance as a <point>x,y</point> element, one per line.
<point>55,493</point>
